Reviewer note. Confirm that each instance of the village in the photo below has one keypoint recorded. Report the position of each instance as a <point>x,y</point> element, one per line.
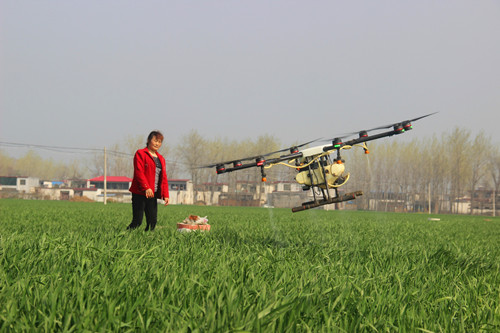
<point>278,194</point>
<point>182,191</point>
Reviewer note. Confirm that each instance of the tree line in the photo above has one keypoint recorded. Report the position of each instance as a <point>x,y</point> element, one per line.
<point>440,169</point>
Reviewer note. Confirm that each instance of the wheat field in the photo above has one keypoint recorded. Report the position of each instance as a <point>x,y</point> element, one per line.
<point>73,267</point>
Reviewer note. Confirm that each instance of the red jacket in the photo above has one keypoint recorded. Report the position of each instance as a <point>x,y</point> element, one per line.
<point>144,174</point>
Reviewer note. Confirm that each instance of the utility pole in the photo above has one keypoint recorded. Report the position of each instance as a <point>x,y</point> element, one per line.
<point>430,201</point>
<point>494,202</point>
<point>105,176</point>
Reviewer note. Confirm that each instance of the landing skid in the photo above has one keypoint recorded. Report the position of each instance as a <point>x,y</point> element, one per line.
<point>314,204</point>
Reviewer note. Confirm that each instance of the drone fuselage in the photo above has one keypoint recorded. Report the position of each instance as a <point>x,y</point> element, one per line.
<point>313,151</point>
<point>316,175</point>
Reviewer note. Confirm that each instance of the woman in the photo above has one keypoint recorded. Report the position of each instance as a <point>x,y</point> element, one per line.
<point>149,183</point>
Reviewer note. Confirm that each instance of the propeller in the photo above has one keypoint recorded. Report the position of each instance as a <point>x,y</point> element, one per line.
<point>406,123</point>
<point>399,127</point>
<point>259,159</point>
<point>293,149</point>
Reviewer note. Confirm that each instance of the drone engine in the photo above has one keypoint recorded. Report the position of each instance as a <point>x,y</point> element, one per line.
<point>322,176</point>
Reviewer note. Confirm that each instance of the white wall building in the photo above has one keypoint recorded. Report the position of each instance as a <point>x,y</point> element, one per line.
<point>180,191</point>
<point>20,184</point>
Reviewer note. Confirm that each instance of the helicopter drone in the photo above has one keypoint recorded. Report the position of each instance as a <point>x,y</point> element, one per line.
<point>315,169</point>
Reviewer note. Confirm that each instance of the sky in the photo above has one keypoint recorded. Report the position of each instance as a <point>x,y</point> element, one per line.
<point>90,73</point>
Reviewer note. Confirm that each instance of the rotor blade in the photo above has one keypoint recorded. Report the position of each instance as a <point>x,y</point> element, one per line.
<point>394,124</point>
<point>229,162</point>
<point>343,136</point>
<point>208,166</point>
<point>427,115</point>
<point>256,156</point>
<point>293,146</point>
<point>232,161</point>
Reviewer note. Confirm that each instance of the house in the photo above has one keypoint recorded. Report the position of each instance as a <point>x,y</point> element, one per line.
<point>85,192</point>
<point>485,201</point>
<point>286,194</point>
<point>118,183</point>
<point>116,188</point>
<point>180,191</point>
<point>19,184</point>
<point>53,184</point>
<point>91,189</point>
<point>285,186</point>
<point>209,193</point>
<point>56,193</point>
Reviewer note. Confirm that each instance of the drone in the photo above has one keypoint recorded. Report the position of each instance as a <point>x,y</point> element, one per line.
<point>316,169</point>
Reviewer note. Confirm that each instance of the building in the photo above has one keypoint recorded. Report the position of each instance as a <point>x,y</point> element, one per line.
<point>485,201</point>
<point>19,184</point>
<point>286,194</point>
<point>209,193</point>
<point>180,191</point>
<point>113,183</point>
<point>90,193</point>
<point>56,193</point>
<point>280,194</point>
<point>88,189</point>
<point>116,188</point>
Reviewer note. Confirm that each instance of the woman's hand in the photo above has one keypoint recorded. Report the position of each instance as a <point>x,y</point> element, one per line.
<point>167,200</point>
<point>149,193</point>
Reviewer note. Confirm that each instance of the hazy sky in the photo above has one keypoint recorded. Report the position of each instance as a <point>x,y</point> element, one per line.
<point>89,73</point>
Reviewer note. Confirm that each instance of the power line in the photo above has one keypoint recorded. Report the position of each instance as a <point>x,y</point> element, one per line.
<point>72,150</point>
<point>62,149</point>
<point>59,149</point>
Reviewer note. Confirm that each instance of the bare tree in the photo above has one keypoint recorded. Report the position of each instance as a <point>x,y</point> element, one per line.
<point>458,144</point>
<point>494,169</point>
<point>435,174</point>
<point>7,164</point>
<point>477,161</point>
<point>120,155</point>
<point>358,165</point>
<point>411,170</point>
<point>192,151</point>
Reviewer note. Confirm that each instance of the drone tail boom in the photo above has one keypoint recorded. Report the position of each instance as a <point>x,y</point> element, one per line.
<point>314,204</point>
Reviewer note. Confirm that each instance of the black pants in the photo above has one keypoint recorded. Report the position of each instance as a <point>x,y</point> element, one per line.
<point>140,206</point>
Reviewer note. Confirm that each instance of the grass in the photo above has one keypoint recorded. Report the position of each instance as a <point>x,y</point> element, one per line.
<point>73,267</point>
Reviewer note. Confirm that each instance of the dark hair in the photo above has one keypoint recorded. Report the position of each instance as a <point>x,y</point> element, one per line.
<point>153,134</point>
